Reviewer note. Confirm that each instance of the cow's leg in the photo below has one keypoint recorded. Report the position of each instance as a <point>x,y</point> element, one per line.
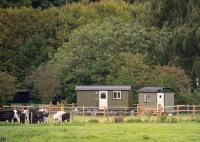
<point>17,118</point>
<point>10,120</point>
<point>46,119</point>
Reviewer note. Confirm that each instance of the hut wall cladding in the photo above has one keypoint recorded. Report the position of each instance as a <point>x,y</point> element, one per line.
<point>87,98</point>
<point>152,99</point>
<point>169,101</point>
<point>91,98</point>
<point>124,101</point>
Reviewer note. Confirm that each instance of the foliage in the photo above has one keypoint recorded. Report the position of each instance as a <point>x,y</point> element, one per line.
<point>46,84</point>
<point>35,31</point>
<point>148,42</point>
<point>119,118</point>
<point>93,121</point>
<point>34,3</point>
<point>175,78</point>
<point>162,119</point>
<point>129,69</point>
<point>135,120</point>
<point>171,77</point>
<point>174,12</point>
<point>7,87</point>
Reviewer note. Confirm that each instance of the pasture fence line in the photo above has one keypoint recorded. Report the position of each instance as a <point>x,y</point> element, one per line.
<point>135,110</point>
<point>109,114</point>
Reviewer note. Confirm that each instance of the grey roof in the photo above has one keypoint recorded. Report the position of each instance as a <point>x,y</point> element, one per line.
<point>102,88</point>
<point>154,90</point>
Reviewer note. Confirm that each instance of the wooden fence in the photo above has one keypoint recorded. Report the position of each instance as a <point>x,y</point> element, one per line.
<point>135,110</point>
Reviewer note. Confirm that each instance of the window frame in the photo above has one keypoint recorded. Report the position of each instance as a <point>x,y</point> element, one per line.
<point>146,98</point>
<point>117,97</point>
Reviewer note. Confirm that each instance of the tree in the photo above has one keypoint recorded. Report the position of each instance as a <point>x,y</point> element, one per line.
<point>46,84</point>
<point>175,78</point>
<point>174,12</point>
<point>8,87</point>
<point>26,29</point>
<point>129,69</point>
<point>98,48</point>
<point>30,56</point>
<point>172,77</point>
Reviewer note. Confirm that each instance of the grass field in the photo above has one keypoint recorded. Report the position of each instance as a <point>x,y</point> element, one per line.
<point>113,132</point>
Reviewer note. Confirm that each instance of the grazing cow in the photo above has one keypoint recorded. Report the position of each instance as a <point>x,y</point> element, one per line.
<point>11,115</point>
<point>61,116</point>
<point>6,115</point>
<point>22,118</point>
<point>44,115</point>
<point>38,116</point>
<point>16,117</point>
<point>66,116</point>
<point>26,115</point>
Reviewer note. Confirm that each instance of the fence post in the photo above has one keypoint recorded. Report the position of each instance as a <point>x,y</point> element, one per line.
<point>31,117</point>
<point>188,108</point>
<point>125,111</point>
<point>193,110</point>
<point>177,110</point>
<point>104,111</point>
<point>71,116</point>
<point>72,106</point>
<point>107,115</point>
<point>62,107</point>
<point>83,110</point>
<point>137,110</point>
<point>142,110</point>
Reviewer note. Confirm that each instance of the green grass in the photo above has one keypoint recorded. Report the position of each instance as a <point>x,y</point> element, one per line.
<point>98,132</point>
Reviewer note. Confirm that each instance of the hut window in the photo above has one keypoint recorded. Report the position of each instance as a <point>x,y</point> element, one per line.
<point>117,95</point>
<point>146,99</point>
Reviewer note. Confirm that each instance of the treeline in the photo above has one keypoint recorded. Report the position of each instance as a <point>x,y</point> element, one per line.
<point>147,43</point>
<point>34,3</point>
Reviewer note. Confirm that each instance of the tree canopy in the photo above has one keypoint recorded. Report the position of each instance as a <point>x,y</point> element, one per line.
<point>50,46</point>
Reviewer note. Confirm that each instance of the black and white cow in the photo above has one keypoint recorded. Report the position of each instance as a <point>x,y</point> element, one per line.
<point>10,115</point>
<point>36,116</point>
<point>61,116</point>
<point>44,115</point>
<point>6,115</point>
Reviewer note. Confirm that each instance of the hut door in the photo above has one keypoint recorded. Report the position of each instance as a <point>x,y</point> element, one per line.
<point>160,100</point>
<point>103,99</point>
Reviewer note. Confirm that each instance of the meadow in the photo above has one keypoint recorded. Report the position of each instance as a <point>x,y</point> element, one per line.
<point>93,131</point>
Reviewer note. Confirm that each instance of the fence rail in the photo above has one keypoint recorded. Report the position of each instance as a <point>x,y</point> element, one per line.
<point>135,110</point>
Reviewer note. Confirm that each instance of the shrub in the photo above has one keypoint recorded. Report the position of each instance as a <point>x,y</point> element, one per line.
<point>136,120</point>
<point>148,119</point>
<point>119,118</point>
<point>173,119</point>
<point>162,119</point>
<point>93,121</point>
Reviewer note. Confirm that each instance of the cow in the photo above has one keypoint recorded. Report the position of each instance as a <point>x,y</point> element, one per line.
<point>26,115</point>
<point>44,115</point>
<point>16,117</point>
<point>22,118</point>
<point>36,116</point>
<point>10,115</point>
<point>6,115</point>
<point>61,116</point>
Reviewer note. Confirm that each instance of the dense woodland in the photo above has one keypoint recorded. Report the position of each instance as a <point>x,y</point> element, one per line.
<point>49,46</point>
